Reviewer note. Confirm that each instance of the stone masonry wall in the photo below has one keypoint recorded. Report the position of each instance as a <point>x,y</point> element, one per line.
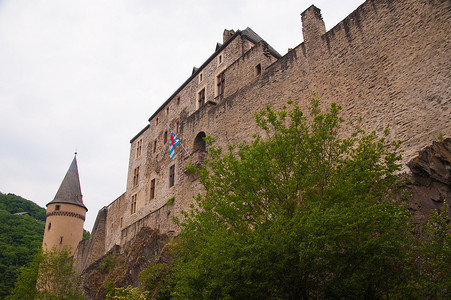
<point>388,62</point>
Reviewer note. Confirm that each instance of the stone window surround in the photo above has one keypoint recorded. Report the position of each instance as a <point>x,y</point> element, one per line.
<point>204,87</point>
<point>221,71</point>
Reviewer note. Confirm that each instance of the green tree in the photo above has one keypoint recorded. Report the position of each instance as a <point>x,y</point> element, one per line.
<point>16,204</point>
<point>304,213</point>
<point>20,240</point>
<point>435,252</point>
<point>49,276</point>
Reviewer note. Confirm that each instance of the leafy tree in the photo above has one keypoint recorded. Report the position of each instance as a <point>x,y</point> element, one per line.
<point>304,213</point>
<point>436,256</point>
<point>16,204</point>
<point>20,240</point>
<point>49,276</point>
<point>86,235</point>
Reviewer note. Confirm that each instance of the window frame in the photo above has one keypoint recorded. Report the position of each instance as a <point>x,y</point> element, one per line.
<point>171,176</point>
<point>136,176</point>
<point>133,204</point>
<point>152,189</point>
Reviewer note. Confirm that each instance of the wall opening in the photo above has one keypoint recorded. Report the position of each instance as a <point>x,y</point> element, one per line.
<point>199,142</point>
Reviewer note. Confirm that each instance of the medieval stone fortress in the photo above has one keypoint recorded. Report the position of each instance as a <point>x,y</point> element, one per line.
<point>388,62</point>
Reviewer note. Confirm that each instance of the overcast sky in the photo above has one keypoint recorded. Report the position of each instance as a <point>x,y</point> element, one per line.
<point>85,76</point>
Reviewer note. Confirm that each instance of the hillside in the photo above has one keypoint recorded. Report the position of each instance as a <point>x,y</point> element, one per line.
<point>20,237</point>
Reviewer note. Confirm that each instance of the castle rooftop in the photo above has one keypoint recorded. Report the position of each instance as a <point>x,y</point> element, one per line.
<point>70,190</point>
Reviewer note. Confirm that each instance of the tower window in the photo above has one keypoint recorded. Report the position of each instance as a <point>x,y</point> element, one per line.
<point>258,69</point>
<point>61,240</point>
<point>152,189</point>
<point>50,226</point>
<point>154,146</point>
<point>57,207</point>
<point>122,221</point>
<point>178,100</point>
<point>171,175</point>
<point>165,137</point>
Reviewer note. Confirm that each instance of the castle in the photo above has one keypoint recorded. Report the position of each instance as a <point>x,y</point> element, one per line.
<point>388,61</point>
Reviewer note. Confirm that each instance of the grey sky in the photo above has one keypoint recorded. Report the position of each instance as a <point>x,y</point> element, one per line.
<point>84,75</point>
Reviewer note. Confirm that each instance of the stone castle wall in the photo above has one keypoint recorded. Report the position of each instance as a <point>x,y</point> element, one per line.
<point>387,62</point>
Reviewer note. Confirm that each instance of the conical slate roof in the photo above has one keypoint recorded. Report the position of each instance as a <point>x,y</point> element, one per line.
<point>70,190</point>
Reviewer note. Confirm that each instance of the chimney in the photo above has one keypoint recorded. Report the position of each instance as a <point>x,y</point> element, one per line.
<point>227,35</point>
<point>312,24</point>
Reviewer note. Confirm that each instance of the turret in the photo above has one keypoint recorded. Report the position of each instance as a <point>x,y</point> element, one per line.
<point>65,214</point>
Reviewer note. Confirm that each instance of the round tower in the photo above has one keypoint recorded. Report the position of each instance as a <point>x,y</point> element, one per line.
<point>65,214</point>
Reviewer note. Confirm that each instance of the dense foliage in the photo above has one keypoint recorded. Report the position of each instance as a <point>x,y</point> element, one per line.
<point>306,214</point>
<point>16,204</point>
<point>20,237</point>
<point>49,276</point>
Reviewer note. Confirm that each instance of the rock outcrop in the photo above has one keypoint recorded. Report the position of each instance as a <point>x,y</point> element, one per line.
<point>431,175</point>
<point>121,268</point>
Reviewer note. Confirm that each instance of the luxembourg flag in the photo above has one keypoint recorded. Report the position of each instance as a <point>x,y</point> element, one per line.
<point>172,143</point>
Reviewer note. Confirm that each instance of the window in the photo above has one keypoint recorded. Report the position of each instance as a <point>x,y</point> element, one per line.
<point>57,207</point>
<point>220,59</point>
<point>178,100</point>
<point>220,80</point>
<point>201,98</point>
<point>154,146</point>
<point>171,175</point>
<point>133,205</point>
<point>165,137</point>
<point>167,110</point>
<point>136,176</point>
<point>152,189</point>
<point>122,221</point>
<point>177,125</point>
<point>156,121</point>
<point>201,77</point>
<point>61,240</point>
<point>139,148</point>
<point>50,226</point>
<point>258,69</point>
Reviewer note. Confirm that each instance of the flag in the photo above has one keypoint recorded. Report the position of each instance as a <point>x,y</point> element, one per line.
<point>174,141</point>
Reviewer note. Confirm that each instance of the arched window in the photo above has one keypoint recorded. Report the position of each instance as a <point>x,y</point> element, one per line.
<point>199,142</point>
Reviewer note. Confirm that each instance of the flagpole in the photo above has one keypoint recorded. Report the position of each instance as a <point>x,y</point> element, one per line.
<point>186,151</point>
